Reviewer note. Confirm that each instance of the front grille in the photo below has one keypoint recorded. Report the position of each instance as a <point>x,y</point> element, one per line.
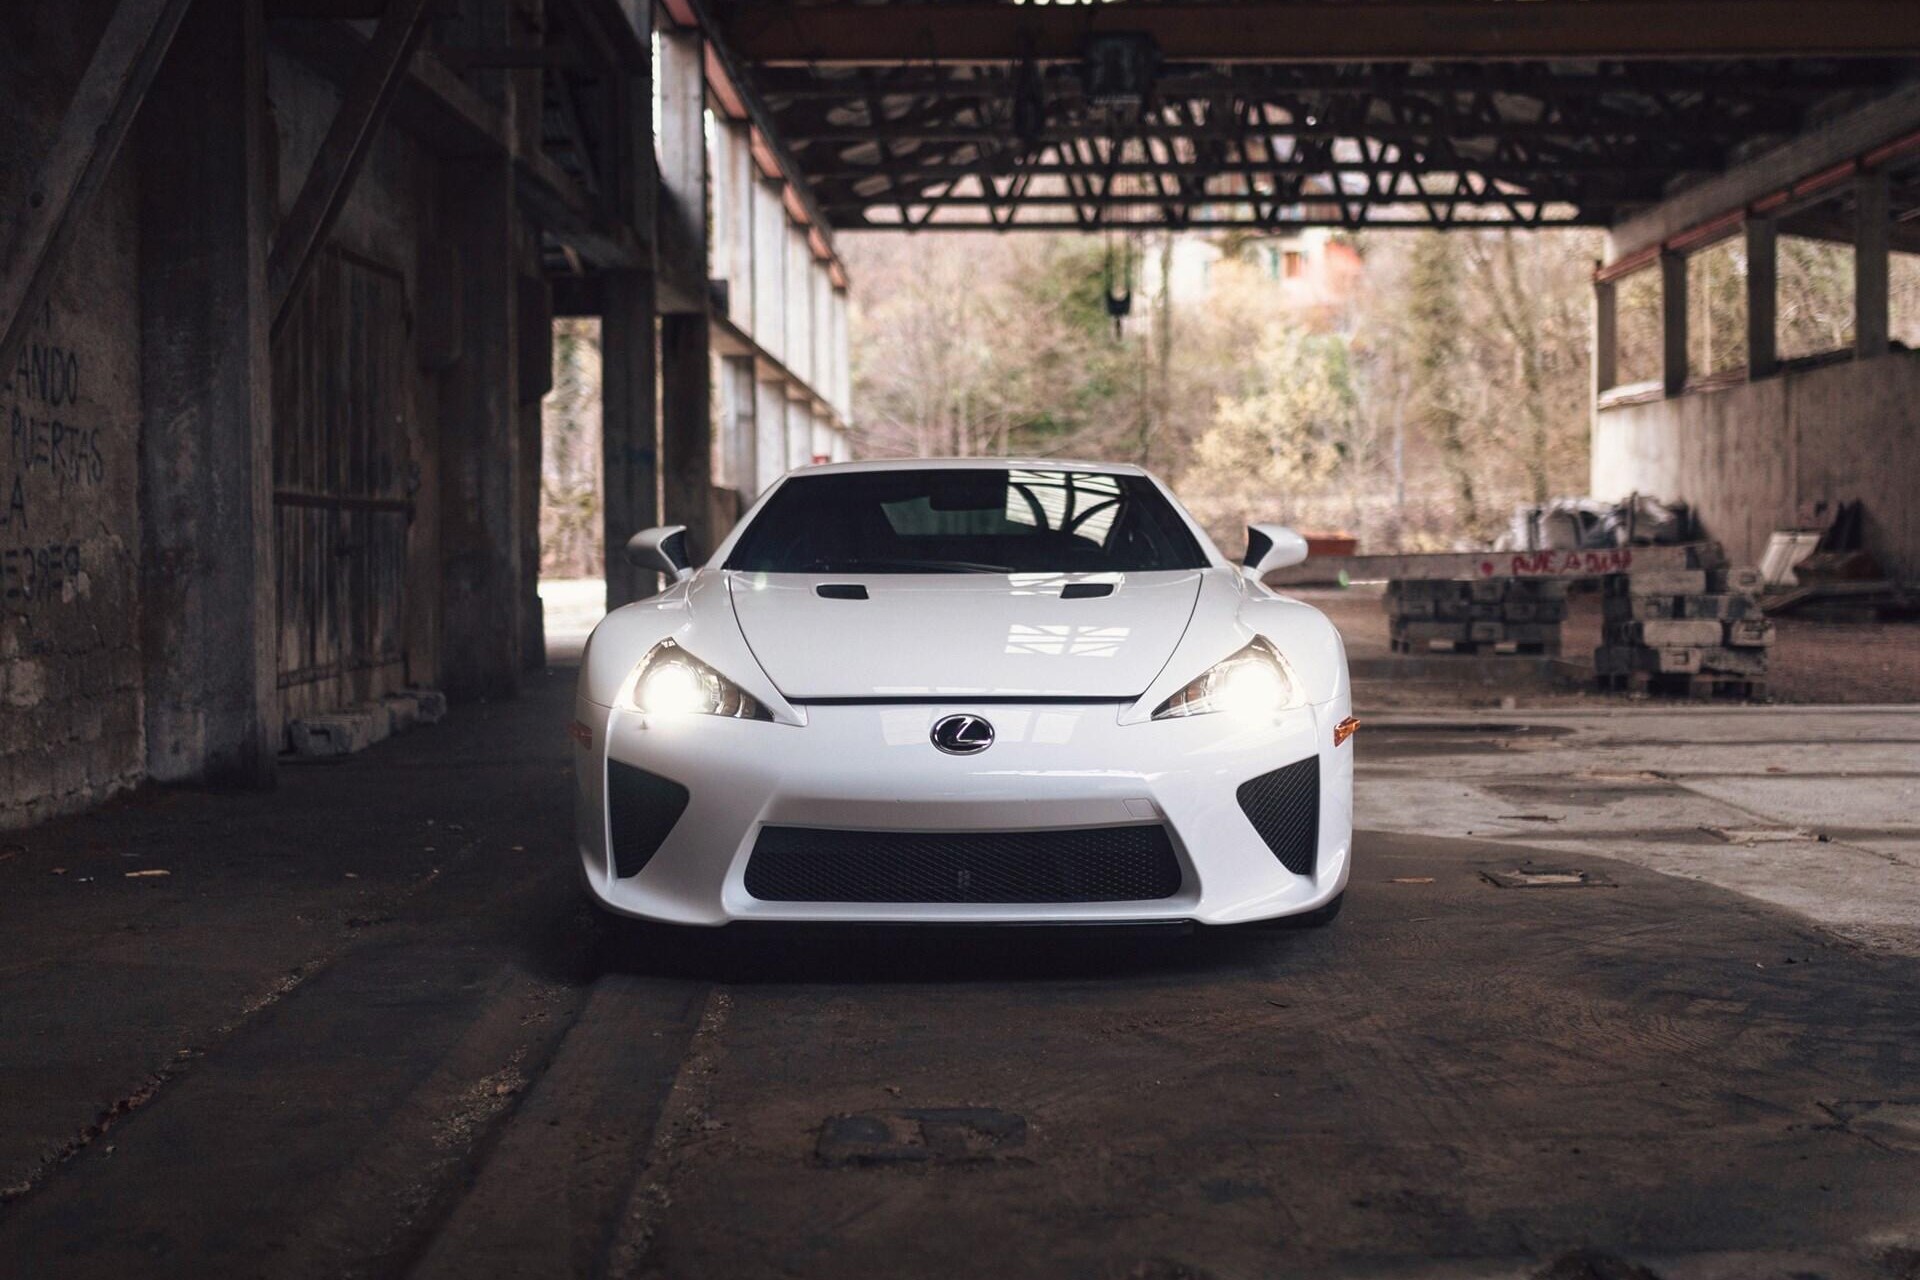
<point>641,809</point>
<point>1103,864</point>
<point>1284,807</point>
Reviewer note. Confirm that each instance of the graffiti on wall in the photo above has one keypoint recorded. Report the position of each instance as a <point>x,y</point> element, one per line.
<point>53,458</point>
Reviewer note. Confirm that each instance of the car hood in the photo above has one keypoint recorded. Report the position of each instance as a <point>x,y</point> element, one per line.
<point>940,635</point>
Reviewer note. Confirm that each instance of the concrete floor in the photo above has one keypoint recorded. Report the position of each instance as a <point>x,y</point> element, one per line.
<point>364,1027</point>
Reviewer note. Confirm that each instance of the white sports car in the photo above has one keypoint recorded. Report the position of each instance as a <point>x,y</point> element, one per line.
<point>966,691</point>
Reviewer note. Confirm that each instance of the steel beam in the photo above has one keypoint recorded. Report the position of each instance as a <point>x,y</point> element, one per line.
<point>1403,31</point>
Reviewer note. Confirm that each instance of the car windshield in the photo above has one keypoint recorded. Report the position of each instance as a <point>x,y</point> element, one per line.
<point>967,520</point>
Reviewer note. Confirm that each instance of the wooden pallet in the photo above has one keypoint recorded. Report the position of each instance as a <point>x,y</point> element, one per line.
<point>1700,685</point>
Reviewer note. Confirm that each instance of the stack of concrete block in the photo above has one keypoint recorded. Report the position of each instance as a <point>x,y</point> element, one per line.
<point>1688,631</point>
<point>1488,615</point>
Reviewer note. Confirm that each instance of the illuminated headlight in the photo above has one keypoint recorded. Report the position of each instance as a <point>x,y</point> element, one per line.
<point>672,682</point>
<point>1253,684</point>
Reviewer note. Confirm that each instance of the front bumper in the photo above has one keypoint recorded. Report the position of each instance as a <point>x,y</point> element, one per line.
<point>871,767</point>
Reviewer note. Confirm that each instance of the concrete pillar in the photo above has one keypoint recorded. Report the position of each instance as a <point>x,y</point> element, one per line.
<point>739,405</point>
<point>735,191</point>
<point>480,455</point>
<point>842,356</point>
<point>683,139</point>
<point>629,439</point>
<point>769,268</point>
<point>799,432</point>
<point>797,353</point>
<point>535,337</point>
<point>1606,336</point>
<point>1872,265</point>
<point>1673,322</point>
<point>686,427</point>
<point>1763,297</point>
<point>770,423</point>
<point>209,619</point>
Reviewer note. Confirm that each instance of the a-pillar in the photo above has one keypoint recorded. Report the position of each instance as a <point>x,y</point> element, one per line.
<point>209,628</point>
<point>1763,297</point>
<point>1872,265</point>
<point>1673,322</point>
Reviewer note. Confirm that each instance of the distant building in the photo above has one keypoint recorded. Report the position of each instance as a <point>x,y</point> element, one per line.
<point>1315,270</point>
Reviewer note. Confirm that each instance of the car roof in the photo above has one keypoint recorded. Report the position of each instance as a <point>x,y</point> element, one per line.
<point>957,464</point>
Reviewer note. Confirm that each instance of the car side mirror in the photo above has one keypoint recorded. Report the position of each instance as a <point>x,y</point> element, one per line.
<point>662,549</point>
<point>1270,547</point>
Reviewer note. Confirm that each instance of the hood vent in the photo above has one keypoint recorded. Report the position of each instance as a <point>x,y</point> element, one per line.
<point>1085,590</point>
<point>840,591</point>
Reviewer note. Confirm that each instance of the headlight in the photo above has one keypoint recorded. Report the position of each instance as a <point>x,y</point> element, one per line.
<point>1254,684</point>
<point>672,682</point>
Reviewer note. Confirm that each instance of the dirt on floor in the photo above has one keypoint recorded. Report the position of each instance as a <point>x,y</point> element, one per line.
<point>1811,661</point>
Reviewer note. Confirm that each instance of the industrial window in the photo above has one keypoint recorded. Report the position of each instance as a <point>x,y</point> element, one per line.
<point>1717,308</point>
<point>1816,297</point>
<point>1637,304</point>
<point>1904,297</point>
<point>1816,279</point>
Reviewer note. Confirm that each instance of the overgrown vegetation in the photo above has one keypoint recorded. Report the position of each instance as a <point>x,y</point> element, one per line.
<point>1451,383</point>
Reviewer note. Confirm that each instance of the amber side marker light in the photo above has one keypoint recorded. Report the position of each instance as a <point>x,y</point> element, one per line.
<point>580,734</point>
<point>1344,730</point>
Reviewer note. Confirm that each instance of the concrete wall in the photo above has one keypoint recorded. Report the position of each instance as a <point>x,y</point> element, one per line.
<point>1747,456</point>
<point>70,686</point>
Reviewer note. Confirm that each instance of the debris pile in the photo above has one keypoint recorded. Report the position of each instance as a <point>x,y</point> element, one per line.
<point>1698,632</point>
<point>1488,615</point>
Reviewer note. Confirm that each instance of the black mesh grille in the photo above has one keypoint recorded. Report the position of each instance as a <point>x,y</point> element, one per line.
<point>1284,807</point>
<point>1106,864</point>
<point>641,809</point>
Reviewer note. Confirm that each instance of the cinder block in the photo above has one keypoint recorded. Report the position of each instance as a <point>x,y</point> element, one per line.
<point>1734,662</point>
<point>432,705</point>
<point>1724,606</point>
<point>1750,633</point>
<point>1745,581</point>
<point>1658,582</point>
<point>403,710</point>
<point>1674,633</point>
<point>1418,633</point>
<point>337,733</point>
<point>1486,632</point>
<point>1536,589</point>
<point>1482,611</point>
<point>1487,590</point>
<point>1636,608</point>
<point>1670,661</point>
<point>1519,611</point>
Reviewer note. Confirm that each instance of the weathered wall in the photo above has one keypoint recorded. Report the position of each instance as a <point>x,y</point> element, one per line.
<point>70,713</point>
<point>1747,456</point>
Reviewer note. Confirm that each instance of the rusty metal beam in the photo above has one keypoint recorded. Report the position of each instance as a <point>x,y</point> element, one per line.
<point>96,124</point>
<point>349,139</point>
<point>1396,31</point>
